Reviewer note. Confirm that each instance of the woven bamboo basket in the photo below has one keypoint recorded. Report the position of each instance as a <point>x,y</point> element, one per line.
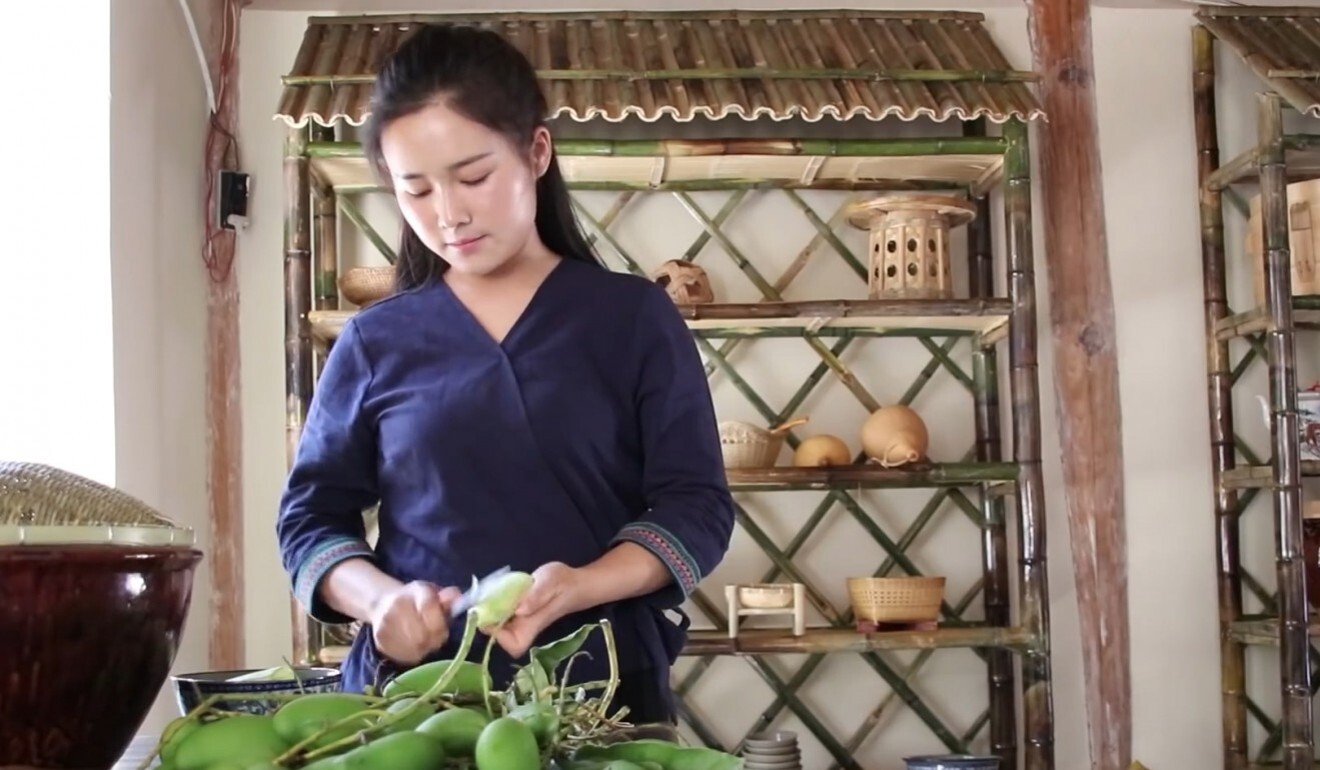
<point>896,600</point>
<point>364,285</point>
<point>744,445</point>
<point>42,505</point>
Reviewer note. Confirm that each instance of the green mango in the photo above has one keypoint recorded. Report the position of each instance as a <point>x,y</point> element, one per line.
<point>458,729</point>
<point>239,740</point>
<point>507,744</point>
<point>173,735</point>
<point>398,751</point>
<point>468,680</point>
<point>301,718</point>
<point>420,714</point>
<point>543,718</point>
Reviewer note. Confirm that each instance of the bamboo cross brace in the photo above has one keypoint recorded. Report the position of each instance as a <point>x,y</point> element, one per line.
<point>872,720</point>
<point>355,216</point>
<point>778,685</point>
<point>874,660</point>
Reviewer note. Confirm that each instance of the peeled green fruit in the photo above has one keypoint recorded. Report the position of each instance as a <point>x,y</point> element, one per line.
<point>507,744</point>
<point>239,740</point>
<point>541,717</point>
<point>415,718</point>
<point>276,674</point>
<point>300,719</point>
<point>623,764</point>
<point>468,680</point>
<point>457,729</point>
<point>400,751</point>
<point>501,598</point>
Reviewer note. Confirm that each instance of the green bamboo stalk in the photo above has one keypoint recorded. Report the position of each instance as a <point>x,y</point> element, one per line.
<point>649,148</point>
<point>949,364</point>
<point>703,15</point>
<point>1298,742</point>
<point>1220,382</point>
<point>827,233</point>
<point>706,185</point>
<point>731,73</point>
<point>1038,698</point>
<point>1236,169</point>
<point>721,216</point>
<point>298,360</point>
<point>355,216</point>
<point>324,241</point>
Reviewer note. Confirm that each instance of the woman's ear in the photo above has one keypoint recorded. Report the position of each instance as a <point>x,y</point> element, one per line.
<point>542,150</point>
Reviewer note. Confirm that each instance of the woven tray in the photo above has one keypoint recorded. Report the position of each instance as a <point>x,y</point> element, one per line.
<point>41,505</point>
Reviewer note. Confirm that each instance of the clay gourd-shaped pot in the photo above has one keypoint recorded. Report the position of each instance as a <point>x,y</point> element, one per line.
<point>895,435</point>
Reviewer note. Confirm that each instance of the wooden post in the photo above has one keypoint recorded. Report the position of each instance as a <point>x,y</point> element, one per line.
<point>224,416</point>
<point>1085,366</point>
<point>1294,644</point>
<point>297,331</point>
<point>1219,384</point>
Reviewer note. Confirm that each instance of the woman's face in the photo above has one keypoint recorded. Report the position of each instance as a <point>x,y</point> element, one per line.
<point>464,189</point>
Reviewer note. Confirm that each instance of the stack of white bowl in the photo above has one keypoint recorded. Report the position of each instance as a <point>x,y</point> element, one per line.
<point>776,750</point>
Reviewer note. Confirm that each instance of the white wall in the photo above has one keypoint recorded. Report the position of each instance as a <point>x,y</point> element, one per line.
<point>157,122</point>
<point>57,395</point>
<point>1144,92</point>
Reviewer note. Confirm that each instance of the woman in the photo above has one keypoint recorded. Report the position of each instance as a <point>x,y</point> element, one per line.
<point>514,403</point>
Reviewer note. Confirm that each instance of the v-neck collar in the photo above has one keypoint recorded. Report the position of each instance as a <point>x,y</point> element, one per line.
<point>523,317</point>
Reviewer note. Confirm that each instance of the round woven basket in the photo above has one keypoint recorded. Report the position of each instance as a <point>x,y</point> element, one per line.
<point>364,285</point>
<point>747,446</point>
<point>896,600</point>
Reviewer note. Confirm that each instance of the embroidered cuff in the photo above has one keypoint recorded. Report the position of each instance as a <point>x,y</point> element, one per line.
<point>319,562</point>
<point>658,541</point>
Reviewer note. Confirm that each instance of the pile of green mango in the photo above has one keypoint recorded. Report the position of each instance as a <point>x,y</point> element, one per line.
<point>439,716</point>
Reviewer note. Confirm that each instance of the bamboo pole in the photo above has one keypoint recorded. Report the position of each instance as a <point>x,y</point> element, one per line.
<point>731,73</point>
<point>1295,673</point>
<point>1219,385</point>
<point>1033,581</point>
<point>649,148</point>
<point>1085,368</point>
<point>766,641</point>
<point>405,19</point>
<point>325,244</point>
<point>356,216</point>
<point>994,535</point>
<point>297,332</point>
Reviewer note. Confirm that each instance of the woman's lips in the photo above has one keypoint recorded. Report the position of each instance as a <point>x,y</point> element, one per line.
<point>466,245</point>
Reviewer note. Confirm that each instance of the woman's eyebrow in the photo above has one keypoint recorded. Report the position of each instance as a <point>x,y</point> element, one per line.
<point>452,166</point>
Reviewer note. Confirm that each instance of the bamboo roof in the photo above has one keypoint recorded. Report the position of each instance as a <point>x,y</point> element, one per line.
<point>776,65</point>
<point>1282,45</point>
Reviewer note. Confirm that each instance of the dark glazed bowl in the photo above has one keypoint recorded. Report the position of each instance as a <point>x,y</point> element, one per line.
<point>87,636</point>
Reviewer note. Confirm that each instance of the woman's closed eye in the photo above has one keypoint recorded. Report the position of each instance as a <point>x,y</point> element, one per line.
<point>476,181</point>
<point>417,193</point>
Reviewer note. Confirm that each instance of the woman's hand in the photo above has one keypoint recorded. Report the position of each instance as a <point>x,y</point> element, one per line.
<point>412,621</point>
<point>558,590</point>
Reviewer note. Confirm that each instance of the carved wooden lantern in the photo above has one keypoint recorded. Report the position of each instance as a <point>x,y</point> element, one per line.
<point>686,283</point>
<point>909,245</point>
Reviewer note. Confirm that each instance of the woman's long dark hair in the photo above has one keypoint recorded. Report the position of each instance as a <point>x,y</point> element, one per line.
<point>485,79</point>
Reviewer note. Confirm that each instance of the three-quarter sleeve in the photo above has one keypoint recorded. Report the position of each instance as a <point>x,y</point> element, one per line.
<point>689,511</point>
<point>333,479</point>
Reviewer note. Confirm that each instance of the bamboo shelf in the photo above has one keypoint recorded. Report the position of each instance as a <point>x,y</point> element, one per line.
<point>649,165</point>
<point>1302,154</point>
<point>899,70</point>
<point>985,319</point>
<point>1306,315</point>
<point>1262,476</point>
<point>1263,631</point>
<point>870,477</point>
<point>837,640</point>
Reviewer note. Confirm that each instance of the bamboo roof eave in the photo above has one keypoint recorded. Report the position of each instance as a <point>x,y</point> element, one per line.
<point>1280,44</point>
<point>947,67</point>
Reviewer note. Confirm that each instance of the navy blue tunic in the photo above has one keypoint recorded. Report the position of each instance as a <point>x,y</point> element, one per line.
<point>591,423</point>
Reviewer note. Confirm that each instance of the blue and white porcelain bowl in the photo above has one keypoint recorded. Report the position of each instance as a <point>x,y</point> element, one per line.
<point>952,762</point>
<point>191,689</point>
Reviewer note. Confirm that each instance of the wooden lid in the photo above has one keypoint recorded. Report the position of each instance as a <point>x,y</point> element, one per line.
<point>867,213</point>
